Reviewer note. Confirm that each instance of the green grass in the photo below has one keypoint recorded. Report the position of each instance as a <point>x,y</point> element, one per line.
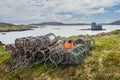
<point>102,64</point>
<point>3,54</point>
<point>13,27</point>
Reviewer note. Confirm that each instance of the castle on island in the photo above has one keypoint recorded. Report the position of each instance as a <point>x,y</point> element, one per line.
<point>95,26</point>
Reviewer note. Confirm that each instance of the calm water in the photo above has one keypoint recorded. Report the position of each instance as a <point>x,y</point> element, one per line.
<point>57,30</point>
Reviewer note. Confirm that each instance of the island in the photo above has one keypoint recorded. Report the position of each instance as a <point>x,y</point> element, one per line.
<point>95,26</point>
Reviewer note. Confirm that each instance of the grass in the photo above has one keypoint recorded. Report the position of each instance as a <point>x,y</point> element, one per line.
<point>13,27</point>
<point>3,54</point>
<point>102,64</point>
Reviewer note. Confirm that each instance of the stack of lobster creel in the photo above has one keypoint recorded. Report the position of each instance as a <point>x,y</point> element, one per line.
<point>31,50</point>
<point>74,56</point>
<point>34,50</point>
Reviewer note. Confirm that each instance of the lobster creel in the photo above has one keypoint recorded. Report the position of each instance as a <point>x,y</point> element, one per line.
<point>35,50</point>
<point>74,56</point>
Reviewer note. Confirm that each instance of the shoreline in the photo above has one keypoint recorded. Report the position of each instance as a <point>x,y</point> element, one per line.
<point>91,29</point>
<point>15,30</point>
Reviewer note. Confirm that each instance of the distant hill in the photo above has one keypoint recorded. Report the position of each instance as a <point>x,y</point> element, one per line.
<point>115,23</point>
<point>59,23</point>
<point>76,24</point>
<point>6,24</point>
<point>112,23</point>
<point>49,23</point>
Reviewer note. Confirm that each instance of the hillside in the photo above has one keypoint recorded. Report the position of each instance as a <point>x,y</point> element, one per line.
<point>60,23</point>
<point>115,23</point>
<point>6,27</point>
<point>102,64</point>
<point>6,24</point>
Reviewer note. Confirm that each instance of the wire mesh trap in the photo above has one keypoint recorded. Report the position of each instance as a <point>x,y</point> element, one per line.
<point>40,49</point>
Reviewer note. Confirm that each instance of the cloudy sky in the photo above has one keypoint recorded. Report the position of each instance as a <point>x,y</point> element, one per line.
<point>68,11</point>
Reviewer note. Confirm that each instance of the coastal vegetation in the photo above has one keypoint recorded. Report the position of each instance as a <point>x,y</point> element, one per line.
<point>5,27</point>
<point>103,63</point>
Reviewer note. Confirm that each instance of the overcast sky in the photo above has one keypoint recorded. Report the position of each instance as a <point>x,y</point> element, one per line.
<point>68,11</point>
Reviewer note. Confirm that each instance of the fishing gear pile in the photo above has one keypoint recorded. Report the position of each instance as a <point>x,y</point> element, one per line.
<point>40,49</point>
